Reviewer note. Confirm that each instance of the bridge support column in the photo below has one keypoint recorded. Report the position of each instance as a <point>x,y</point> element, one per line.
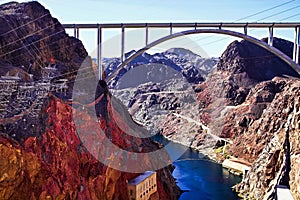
<point>270,39</point>
<point>296,45</point>
<point>171,28</point>
<point>245,30</point>
<point>99,54</point>
<point>147,34</point>
<point>75,31</point>
<point>123,45</point>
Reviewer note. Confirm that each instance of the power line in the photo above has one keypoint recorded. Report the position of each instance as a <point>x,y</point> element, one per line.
<point>260,12</point>
<point>33,43</point>
<point>25,36</point>
<point>24,24</point>
<point>268,9</point>
<point>16,34</point>
<point>290,17</point>
<point>279,13</point>
<point>216,41</point>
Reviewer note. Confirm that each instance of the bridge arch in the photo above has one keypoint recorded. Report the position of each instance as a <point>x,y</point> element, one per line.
<point>258,42</point>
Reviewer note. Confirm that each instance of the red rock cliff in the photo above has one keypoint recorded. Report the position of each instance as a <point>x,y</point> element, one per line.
<point>56,165</point>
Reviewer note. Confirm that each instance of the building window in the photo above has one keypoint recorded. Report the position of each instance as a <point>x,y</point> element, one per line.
<point>131,192</point>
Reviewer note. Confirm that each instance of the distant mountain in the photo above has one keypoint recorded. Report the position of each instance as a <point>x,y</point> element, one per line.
<point>192,66</point>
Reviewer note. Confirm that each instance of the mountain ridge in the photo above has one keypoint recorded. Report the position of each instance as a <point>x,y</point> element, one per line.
<point>192,66</point>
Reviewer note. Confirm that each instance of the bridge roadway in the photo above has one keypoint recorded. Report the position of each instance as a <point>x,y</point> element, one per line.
<point>210,27</point>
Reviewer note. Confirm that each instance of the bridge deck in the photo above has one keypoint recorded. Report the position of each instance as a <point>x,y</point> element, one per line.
<point>187,25</point>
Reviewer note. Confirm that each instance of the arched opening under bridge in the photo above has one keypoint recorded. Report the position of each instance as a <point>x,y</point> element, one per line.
<point>253,40</point>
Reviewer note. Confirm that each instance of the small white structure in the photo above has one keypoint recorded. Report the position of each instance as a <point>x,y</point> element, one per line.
<point>236,167</point>
<point>283,193</point>
<point>143,186</point>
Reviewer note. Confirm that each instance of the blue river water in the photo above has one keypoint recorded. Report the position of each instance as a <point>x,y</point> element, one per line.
<point>199,177</point>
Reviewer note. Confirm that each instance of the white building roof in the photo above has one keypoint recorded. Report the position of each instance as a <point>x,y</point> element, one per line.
<point>140,178</point>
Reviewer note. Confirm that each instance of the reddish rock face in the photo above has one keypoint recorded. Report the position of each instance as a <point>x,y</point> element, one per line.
<point>257,107</point>
<point>272,144</point>
<point>56,165</point>
<point>242,86</point>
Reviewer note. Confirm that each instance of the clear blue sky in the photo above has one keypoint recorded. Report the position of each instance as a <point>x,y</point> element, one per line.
<point>122,11</point>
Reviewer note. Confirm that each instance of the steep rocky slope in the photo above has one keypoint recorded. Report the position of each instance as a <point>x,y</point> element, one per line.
<point>153,86</point>
<point>44,157</point>
<point>272,144</point>
<point>31,40</point>
<point>35,48</point>
<point>149,103</point>
<point>248,100</point>
<point>243,86</point>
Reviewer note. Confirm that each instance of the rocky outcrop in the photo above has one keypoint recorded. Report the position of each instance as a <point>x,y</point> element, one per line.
<point>272,144</point>
<point>31,40</point>
<point>256,62</point>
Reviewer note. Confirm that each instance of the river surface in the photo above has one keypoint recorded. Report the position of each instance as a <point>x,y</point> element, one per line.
<point>199,177</point>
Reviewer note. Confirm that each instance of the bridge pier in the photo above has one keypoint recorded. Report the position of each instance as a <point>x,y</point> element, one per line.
<point>123,44</point>
<point>76,31</point>
<point>99,53</point>
<point>296,45</point>
<point>77,36</point>
<point>270,39</point>
<point>245,30</point>
<point>147,34</point>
